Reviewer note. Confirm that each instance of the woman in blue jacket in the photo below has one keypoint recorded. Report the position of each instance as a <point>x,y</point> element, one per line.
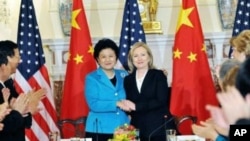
<point>104,93</point>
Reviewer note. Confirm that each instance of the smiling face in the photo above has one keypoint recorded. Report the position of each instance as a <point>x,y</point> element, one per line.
<point>107,59</point>
<point>140,58</point>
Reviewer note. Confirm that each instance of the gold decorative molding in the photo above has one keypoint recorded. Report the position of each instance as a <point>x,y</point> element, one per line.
<point>152,27</point>
<point>148,11</point>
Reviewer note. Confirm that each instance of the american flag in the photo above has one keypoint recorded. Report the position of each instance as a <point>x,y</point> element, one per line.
<point>242,19</point>
<point>131,32</point>
<point>32,73</point>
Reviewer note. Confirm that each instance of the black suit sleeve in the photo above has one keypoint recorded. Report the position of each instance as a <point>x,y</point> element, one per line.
<point>28,121</point>
<point>243,122</point>
<point>13,122</point>
<point>10,84</point>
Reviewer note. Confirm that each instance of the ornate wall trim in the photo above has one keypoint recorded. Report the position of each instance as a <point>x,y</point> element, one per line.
<point>161,46</point>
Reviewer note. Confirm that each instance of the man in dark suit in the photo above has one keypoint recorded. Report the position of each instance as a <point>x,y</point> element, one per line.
<point>23,105</point>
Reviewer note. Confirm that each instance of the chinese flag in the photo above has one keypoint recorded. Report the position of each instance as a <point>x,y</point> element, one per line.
<point>192,84</point>
<point>79,64</point>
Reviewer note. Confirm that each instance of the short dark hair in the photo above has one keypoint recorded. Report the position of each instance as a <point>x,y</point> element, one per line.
<point>3,59</point>
<point>243,78</point>
<point>6,49</point>
<point>104,44</point>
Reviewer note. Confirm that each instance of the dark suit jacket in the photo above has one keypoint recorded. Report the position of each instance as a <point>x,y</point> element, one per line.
<point>151,102</point>
<point>243,121</point>
<point>14,123</point>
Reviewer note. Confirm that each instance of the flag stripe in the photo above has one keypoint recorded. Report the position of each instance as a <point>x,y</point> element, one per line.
<point>32,73</point>
<point>30,135</point>
<point>26,87</point>
<point>46,118</point>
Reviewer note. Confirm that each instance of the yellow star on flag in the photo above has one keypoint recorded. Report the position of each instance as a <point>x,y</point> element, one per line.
<point>183,18</point>
<point>74,23</point>
<point>192,57</point>
<point>78,59</point>
<point>91,50</point>
<point>177,54</point>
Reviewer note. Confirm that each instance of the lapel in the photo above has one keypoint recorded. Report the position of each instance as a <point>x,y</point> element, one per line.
<point>146,81</point>
<point>133,82</point>
<point>104,79</point>
<point>1,85</point>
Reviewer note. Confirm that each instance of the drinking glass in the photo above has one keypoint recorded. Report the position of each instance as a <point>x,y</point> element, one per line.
<point>54,136</point>
<point>171,134</point>
<point>137,131</point>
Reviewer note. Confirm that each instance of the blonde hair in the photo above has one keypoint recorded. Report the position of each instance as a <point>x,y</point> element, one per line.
<point>242,42</point>
<point>131,52</point>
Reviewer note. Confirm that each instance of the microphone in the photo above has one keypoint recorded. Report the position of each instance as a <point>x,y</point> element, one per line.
<point>158,128</point>
<point>96,120</point>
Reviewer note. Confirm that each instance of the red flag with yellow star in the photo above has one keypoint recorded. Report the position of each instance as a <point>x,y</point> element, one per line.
<point>192,84</point>
<point>80,63</point>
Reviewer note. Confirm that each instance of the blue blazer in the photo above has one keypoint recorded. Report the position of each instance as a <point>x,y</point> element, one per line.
<point>101,96</point>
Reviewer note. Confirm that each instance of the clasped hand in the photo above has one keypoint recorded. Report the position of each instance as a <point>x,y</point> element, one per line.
<point>126,105</point>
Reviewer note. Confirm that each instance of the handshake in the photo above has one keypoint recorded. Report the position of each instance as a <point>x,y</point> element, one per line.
<point>126,105</point>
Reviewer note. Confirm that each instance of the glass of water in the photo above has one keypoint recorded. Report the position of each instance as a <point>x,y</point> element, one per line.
<point>171,134</point>
<point>137,131</point>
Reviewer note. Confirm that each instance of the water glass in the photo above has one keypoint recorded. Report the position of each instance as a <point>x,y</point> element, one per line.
<point>54,136</point>
<point>137,131</point>
<point>171,134</point>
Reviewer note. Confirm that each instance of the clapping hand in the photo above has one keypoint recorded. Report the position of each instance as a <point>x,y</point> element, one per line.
<point>34,98</point>
<point>6,94</point>
<point>20,104</point>
<point>4,110</point>
<point>234,105</point>
<point>205,129</point>
<point>4,107</point>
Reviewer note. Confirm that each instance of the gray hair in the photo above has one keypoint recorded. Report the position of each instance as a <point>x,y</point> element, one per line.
<point>227,66</point>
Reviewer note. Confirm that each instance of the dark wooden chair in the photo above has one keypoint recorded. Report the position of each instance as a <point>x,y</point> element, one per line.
<point>73,127</point>
<point>183,124</point>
